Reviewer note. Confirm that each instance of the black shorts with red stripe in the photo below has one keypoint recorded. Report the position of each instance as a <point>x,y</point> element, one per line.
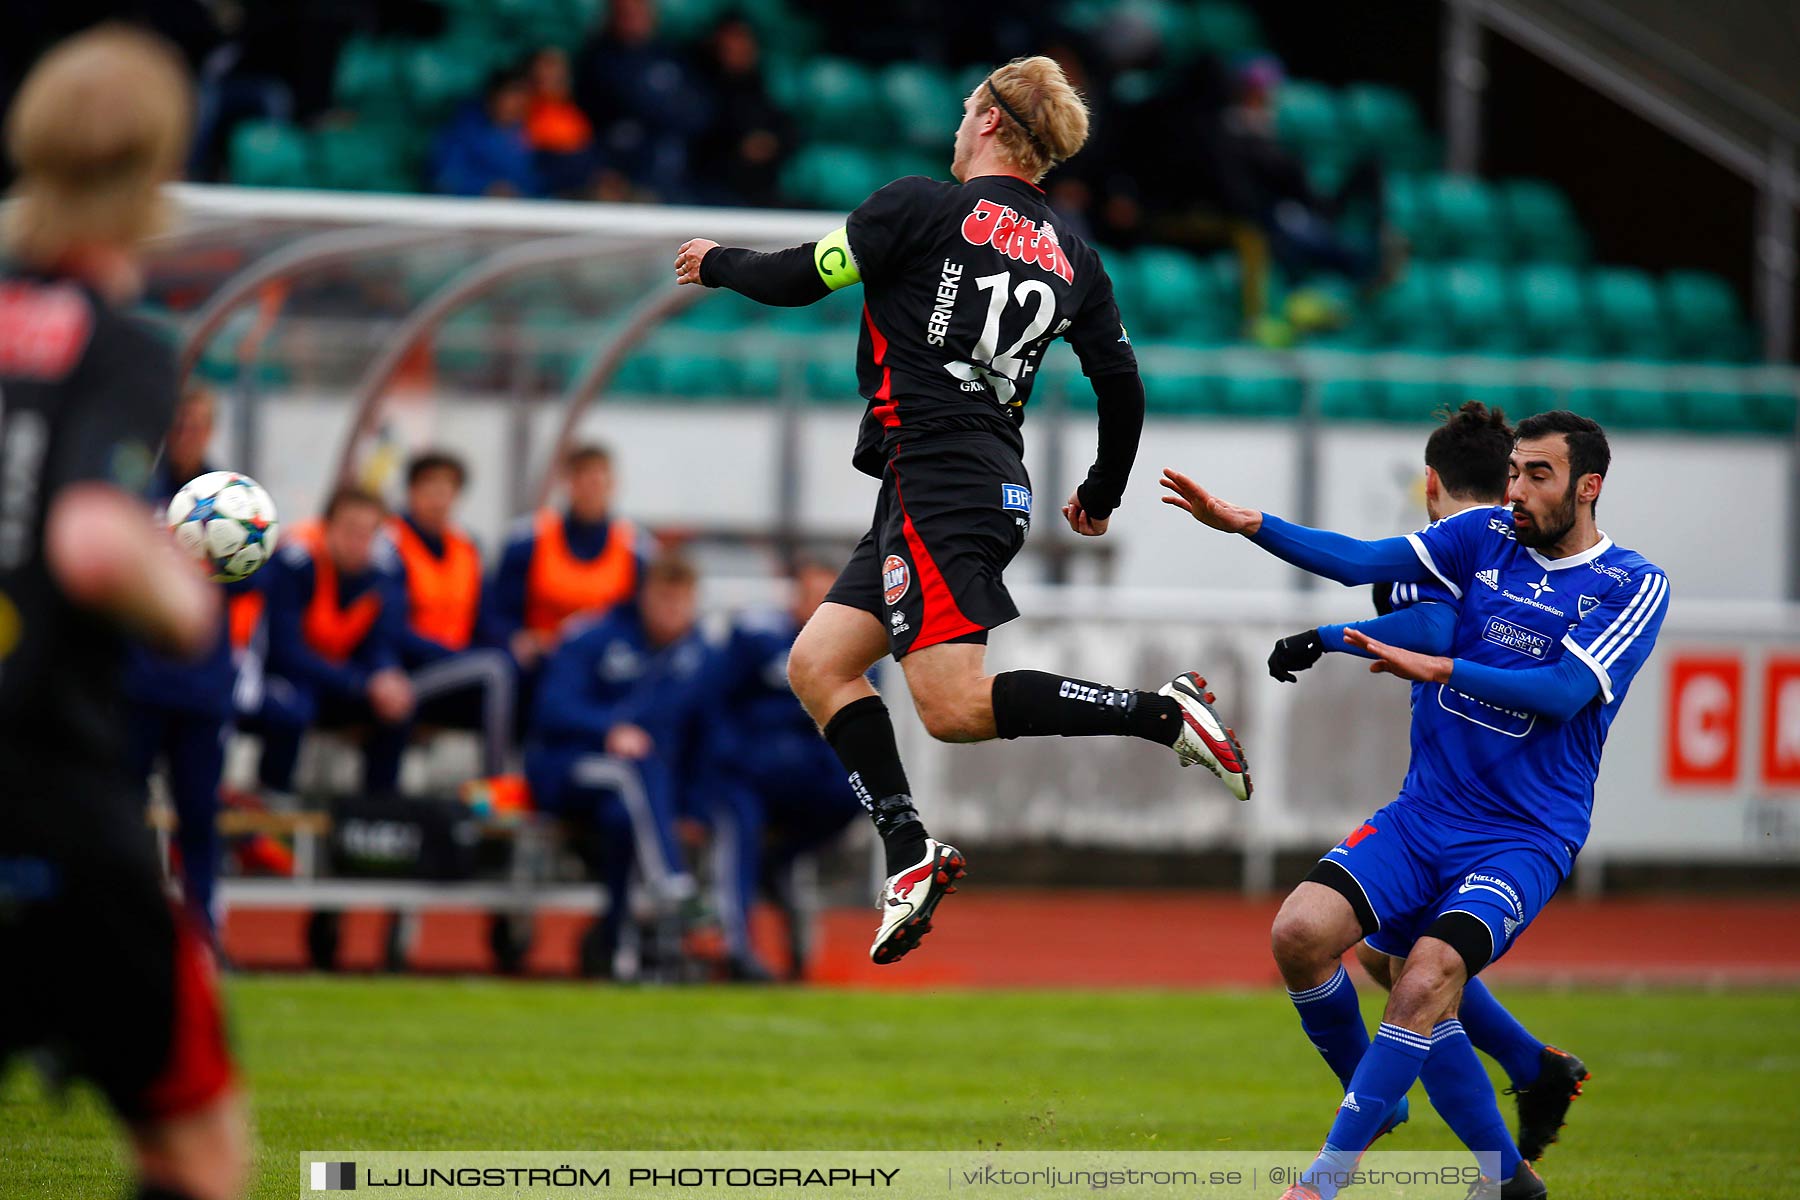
<point>108,976</point>
<point>953,511</point>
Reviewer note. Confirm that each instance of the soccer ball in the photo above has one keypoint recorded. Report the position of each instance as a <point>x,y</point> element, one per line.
<point>226,520</point>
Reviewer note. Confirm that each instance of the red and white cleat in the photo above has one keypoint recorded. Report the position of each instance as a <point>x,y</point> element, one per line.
<point>909,898</point>
<point>1205,739</point>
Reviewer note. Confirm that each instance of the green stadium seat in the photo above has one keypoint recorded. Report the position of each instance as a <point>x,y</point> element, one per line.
<point>922,105</point>
<point>369,75</point>
<point>1227,30</point>
<point>1704,319</point>
<point>1408,313</point>
<point>1172,291</point>
<point>829,375</point>
<point>1553,310</point>
<point>1497,385</point>
<point>1406,397</point>
<point>1265,396</point>
<point>687,20</point>
<point>270,154</point>
<point>836,98</point>
<point>1171,390</point>
<point>1627,313</point>
<point>1349,400</point>
<point>438,76</point>
<point>832,176</point>
<point>1540,223</point>
<point>1466,212</point>
<point>1408,212</point>
<point>1307,119</point>
<point>363,159</point>
<point>1476,306</point>
<point>1382,121</point>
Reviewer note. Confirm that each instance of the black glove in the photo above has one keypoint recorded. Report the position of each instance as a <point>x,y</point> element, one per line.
<point>1294,654</point>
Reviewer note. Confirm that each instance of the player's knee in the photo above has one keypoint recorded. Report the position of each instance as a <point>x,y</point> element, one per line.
<point>810,670</point>
<point>1427,989</point>
<point>1299,940</point>
<point>951,714</point>
<point>204,1155</point>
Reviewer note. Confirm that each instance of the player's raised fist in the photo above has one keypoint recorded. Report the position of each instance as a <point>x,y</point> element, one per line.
<point>1207,508</point>
<point>1080,520</point>
<point>688,257</point>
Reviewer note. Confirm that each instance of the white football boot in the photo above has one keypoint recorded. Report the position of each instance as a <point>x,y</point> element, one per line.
<point>909,898</point>
<point>1205,739</point>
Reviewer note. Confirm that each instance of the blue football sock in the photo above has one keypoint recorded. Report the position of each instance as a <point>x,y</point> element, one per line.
<point>1498,1034</point>
<point>1384,1076</point>
<point>1333,1023</point>
<point>1462,1094</point>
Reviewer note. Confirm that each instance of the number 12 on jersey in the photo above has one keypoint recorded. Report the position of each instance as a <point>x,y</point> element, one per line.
<point>1000,371</point>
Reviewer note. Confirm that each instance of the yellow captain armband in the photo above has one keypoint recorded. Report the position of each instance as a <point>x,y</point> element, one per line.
<point>833,260</point>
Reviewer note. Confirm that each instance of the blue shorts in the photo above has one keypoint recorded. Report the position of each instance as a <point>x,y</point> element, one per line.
<point>1412,867</point>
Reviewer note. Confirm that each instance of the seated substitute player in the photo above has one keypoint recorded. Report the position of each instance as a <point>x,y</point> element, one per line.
<point>965,286</point>
<point>557,566</point>
<point>1466,464</point>
<point>456,684</point>
<point>101,969</point>
<point>335,621</point>
<point>774,790</point>
<point>610,737</point>
<point>182,711</point>
<point>1553,622</point>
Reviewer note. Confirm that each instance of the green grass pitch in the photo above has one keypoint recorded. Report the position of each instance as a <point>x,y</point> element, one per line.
<point>1695,1094</point>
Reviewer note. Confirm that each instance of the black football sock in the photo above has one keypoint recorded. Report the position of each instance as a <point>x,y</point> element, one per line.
<point>862,734</point>
<point>151,1191</point>
<point>1039,704</point>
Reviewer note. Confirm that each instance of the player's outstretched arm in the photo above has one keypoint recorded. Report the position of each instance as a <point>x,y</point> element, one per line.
<point>791,278</point>
<point>1557,691</point>
<point>1334,556</point>
<point>1423,628</point>
<point>107,555</point>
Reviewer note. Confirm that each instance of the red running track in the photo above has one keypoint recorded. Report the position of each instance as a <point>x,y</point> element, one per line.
<point>1132,939</point>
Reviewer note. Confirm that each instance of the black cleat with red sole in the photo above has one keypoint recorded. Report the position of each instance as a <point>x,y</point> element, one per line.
<point>1544,1106</point>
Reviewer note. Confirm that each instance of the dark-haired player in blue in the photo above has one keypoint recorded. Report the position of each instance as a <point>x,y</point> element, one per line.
<point>1466,466</point>
<point>1553,623</point>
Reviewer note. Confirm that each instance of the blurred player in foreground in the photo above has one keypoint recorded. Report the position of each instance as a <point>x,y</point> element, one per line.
<point>1553,622</point>
<point>965,286</point>
<point>101,965</point>
<point>1466,465</point>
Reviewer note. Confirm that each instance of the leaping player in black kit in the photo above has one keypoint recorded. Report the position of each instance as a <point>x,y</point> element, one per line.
<point>965,285</point>
<point>100,966</point>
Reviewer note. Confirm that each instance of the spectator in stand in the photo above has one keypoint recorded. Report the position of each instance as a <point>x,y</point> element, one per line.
<point>457,685</point>
<point>642,98</point>
<point>773,788</point>
<point>335,622</point>
<point>561,136</point>
<point>484,151</point>
<point>610,738</point>
<point>738,158</point>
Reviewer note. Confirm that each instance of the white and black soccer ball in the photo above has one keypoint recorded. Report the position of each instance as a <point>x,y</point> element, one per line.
<point>228,521</point>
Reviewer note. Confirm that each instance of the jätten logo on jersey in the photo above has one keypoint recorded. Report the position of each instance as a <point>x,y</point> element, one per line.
<point>1016,237</point>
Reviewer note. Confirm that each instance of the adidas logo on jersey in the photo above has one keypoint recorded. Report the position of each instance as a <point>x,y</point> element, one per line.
<point>1350,1102</point>
<point>1491,577</point>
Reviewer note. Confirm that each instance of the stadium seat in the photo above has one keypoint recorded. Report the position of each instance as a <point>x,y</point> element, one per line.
<point>1553,310</point>
<point>1265,396</point>
<point>921,104</point>
<point>1704,320</point>
<point>1466,213</point>
<point>1475,306</point>
<point>440,75</point>
<point>1307,119</point>
<point>1348,400</point>
<point>1629,318</point>
<point>1172,291</point>
<point>270,154</point>
<point>837,98</point>
<point>1172,390</point>
<point>1382,121</point>
<point>369,75</point>
<point>1540,223</point>
<point>364,159</point>
<point>1404,396</point>
<point>832,176</point>
<point>1409,312</point>
<point>1227,30</point>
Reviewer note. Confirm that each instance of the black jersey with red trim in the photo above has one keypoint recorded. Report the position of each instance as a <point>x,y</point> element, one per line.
<point>86,394</point>
<point>964,287</point>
